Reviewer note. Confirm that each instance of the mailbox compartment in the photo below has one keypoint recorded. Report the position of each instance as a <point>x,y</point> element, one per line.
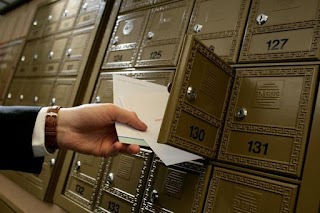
<point>123,182</point>
<point>220,25</point>
<point>232,191</point>
<point>198,101</point>
<point>268,118</point>
<point>282,30</point>
<point>178,188</point>
<point>104,87</point>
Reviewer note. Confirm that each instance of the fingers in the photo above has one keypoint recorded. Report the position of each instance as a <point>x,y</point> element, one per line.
<point>130,118</point>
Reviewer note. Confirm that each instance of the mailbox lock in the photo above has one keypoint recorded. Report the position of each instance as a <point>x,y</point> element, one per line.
<point>85,5</point>
<point>78,165</point>
<point>51,54</point>
<point>261,19</point>
<point>23,58</point>
<point>35,100</point>
<point>191,93</point>
<point>50,17</point>
<point>197,28</point>
<point>150,35</point>
<point>35,23</point>
<point>154,196</point>
<point>9,96</point>
<point>97,100</point>
<point>35,57</point>
<point>69,52</point>
<point>53,101</point>
<point>21,97</point>
<point>65,13</point>
<point>110,178</point>
<point>115,40</point>
<point>241,113</point>
<point>52,162</point>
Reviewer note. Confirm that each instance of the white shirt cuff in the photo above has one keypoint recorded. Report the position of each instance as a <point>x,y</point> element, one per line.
<point>38,147</point>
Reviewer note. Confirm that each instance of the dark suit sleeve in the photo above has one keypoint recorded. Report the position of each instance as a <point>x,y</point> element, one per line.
<point>16,128</point>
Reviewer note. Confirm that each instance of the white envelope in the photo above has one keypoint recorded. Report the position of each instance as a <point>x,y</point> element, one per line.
<point>149,101</point>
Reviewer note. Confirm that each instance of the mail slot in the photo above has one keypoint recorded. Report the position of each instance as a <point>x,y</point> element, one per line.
<point>83,180</point>
<point>220,25</point>
<point>163,37</point>
<point>198,100</point>
<point>178,188</point>
<point>268,118</point>
<point>125,41</point>
<point>232,191</point>
<point>124,181</point>
<point>281,30</point>
<point>104,88</point>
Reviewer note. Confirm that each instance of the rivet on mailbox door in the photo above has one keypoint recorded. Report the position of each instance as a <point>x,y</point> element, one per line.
<point>115,40</point>
<point>97,100</point>
<point>262,19</point>
<point>53,101</point>
<point>52,162</point>
<point>241,113</point>
<point>154,196</point>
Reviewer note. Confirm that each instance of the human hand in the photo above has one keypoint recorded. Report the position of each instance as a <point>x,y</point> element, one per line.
<point>90,129</point>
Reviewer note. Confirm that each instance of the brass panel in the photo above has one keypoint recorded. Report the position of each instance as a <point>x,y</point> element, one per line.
<point>123,181</point>
<point>125,40</point>
<point>128,5</point>
<point>14,92</point>
<point>178,188</point>
<point>72,8</point>
<point>278,102</point>
<point>70,68</point>
<point>67,24</point>
<point>198,101</point>
<point>78,43</point>
<point>54,15</point>
<point>232,191</point>
<point>282,30</point>
<point>59,47</point>
<point>39,22</point>
<point>164,34</point>
<point>84,179</point>
<point>220,25</point>
<point>41,53</point>
<point>62,91</point>
<point>41,92</point>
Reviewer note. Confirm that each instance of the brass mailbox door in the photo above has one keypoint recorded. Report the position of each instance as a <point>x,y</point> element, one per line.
<point>125,40</point>
<point>27,58</point>
<point>198,101</point>
<point>26,92</point>
<point>103,92</point>
<point>39,22</point>
<point>53,17</point>
<point>268,118</point>
<point>62,92</point>
<point>164,34</point>
<point>178,188</point>
<point>41,92</point>
<point>232,191</point>
<point>14,92</point>
<point>220,25</point>
<point>83,179</point>
<point>128,5</point>
<point>89,12</point>
<point>123,182</point>
<point>40,56</point>
<point>161,77</point>
<point>69,15</point>
<point>282,30</point>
